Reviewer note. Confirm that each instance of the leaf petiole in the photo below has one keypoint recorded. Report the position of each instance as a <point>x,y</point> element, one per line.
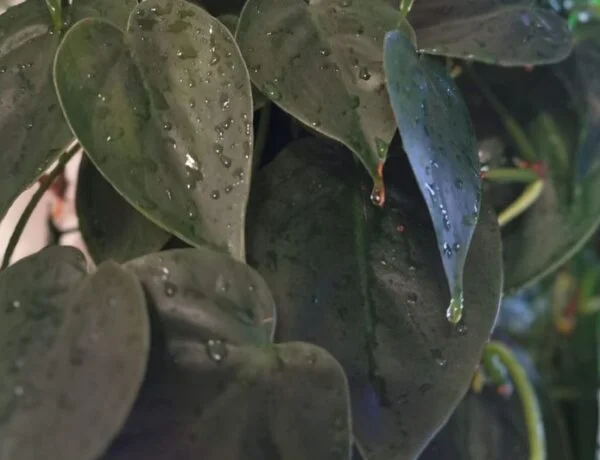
<point>405,7</point>
<point>529,196</point>
<point>498,354</point>
<point>45,184</point>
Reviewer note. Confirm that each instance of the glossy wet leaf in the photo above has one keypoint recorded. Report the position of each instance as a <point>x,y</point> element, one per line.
<point>32,129</point>
<point>552,230</point>
<point>258,99</point>
<point>73,355</point>
<point>221,391</point>
<point>208,294</point>
<point>439,140</point>
<point>287,401</point>
<point>490,426</point>
<point>111,228</point>
<point>508,33</point>
<point>322,62</point>
<point>581,75</point>
<point>367,285</point>
<point>165,113</point>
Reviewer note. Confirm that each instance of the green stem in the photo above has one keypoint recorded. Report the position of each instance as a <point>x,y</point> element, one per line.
<point>526,393</point>
<point>55,9</point>
<point>45,184</point>
<point>405,7</point>
<point>510,175</point>
<point>261,135</point>
<point>529,196</point>
<point>525,147</point>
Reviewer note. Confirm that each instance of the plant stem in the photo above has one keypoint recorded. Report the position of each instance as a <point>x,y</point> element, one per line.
<point>529,196</point>
<point>525,147</point>
<point>261,135</point>
<point>509,175</point>
<point>526,393</point>
<point>45,184</point>
<point>405,7</point>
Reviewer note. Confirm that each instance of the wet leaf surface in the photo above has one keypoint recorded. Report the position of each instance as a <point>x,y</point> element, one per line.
<point>322,62</point>
<point>208,294</point>
<point>218,389</point>
<point>165,113</point>
<point>509,33</point>
<point>111,228</point>
<point>73,355</point>
<point>32,128</point>
<point>367,285</point>
<point>439,139</point>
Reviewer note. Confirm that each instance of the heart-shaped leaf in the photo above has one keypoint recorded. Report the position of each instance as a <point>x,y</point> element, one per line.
<point>74,351</point>
<point>483,426</point>
<point>367,285</point>
<point>439,140</point>
<point>322,62</point>
<point>508,32</point>
<point>32,128</point>
<point>111,227</point>
<point>208,294</point>
<point>218,395</point>
<point>165,113</point>
<point>581,75</point>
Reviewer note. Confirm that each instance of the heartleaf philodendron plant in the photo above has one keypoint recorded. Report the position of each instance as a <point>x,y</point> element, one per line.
<point>295,251</point>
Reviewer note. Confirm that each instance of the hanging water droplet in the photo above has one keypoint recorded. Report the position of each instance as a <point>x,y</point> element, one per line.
<point>455,309</point>
<point>216,349</point>
<point>378,195</point>
<point>447,250</point>
<point>215,194</point>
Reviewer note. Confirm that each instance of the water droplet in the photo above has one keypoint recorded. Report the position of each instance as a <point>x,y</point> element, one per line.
<point>167,126</point>
<point>271,91</point>
<point>16,304</point>
<point>462,328</point>
<point>311,359</point>
<point>214,194</point>
<point>170,289</point>
<point>364,74</point>
<point>412,298</point>
<point>226,161</point>
<point>324,51</point>
<point>455,309</point>
<point>217,350</point>
<point>447,250</point>
<point>438,357</point>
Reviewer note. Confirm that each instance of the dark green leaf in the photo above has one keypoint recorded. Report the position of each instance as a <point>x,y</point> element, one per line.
<point>223,392</point>
<point>288,401</point>
<point>32,129</point>
<point>508,32</point>
<point>165,113</point>
<point>111,227</point>
<point>115,11</point>
<point>73,355</point>
<point>440,142</point>
<point>258,99</point>
<point>367,285</point>
<point>208,294</point>
<point>322,62</point>
<point>486,426</point>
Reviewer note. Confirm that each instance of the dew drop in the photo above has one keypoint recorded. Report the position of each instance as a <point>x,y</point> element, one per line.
<point>455,309</point>
<point>272,91</point>
<point>438,357</point>
<point>214,194</point>
<point>364,74</point>
<point>216,349</point>
<point>170,289</point>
